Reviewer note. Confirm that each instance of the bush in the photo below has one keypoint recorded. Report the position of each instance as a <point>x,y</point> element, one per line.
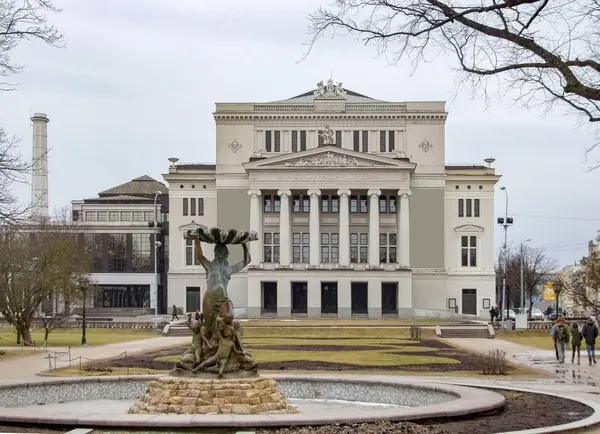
<point>415,332</point>
<point>494,363</point>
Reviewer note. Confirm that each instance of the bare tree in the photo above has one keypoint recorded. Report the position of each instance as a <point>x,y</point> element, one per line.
<point>537,267</point>
<point>582,283</point>
<point>38,263</point>
<point>547,52</point>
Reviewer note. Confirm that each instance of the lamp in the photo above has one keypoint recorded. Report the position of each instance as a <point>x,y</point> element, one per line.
<point>557,289</point>
<point>83,285</point>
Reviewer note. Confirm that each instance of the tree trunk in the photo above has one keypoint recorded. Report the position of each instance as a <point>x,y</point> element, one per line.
<point>18,335</point>
<point>27,335</point>
<point>46,333</point>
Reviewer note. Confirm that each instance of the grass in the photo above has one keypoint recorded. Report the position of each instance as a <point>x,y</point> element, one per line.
<point>344,333</point>
<point>334,322</point>
<point>72,336</point>
<point>532,338</point>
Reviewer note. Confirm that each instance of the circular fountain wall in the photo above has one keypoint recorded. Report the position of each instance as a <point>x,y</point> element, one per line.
<point>104,401</point>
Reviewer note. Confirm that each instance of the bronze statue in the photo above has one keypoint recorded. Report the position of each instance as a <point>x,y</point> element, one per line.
<point>216,343</point>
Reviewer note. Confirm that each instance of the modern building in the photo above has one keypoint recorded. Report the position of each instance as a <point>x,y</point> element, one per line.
<point>356,210</point>
<point>120,227</point>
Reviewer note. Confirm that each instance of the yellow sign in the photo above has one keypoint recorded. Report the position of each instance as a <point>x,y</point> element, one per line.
<point>549,294</point>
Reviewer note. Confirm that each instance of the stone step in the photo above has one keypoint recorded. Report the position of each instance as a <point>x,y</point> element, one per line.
<point>466,333</point>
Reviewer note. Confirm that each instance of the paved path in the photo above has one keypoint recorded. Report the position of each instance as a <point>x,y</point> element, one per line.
<point>28,366</point>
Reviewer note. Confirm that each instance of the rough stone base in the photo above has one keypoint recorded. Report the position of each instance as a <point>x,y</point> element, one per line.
<point>212,396</point>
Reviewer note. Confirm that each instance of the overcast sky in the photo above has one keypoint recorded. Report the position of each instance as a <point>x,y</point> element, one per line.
<point>138,80</point>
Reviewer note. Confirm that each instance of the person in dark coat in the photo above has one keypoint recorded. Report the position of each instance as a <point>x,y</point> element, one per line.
<point>590,333</point>
<point>576,338</point>
<point>492,313</point>
<point>174,315</point>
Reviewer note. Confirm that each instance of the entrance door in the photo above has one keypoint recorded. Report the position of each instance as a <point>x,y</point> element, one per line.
<point>389,298</point>
<point>269,297</point>
<point>329,298</point>
<point>360,298</point>
<point>299,297</point>
<point>469,301</point>
<point>192,298</point>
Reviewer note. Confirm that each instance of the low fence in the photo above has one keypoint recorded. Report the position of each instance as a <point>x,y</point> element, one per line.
<point>91,324</point>
<point>64,357</point>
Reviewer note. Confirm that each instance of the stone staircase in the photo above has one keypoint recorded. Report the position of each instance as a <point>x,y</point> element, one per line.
<point>465,332</point>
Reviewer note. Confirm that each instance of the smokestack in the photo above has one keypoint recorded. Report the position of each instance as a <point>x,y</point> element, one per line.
<point>39,181</point>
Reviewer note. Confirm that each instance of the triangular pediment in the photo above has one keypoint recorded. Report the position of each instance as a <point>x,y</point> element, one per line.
<point>329,157</point>
<point>469,228</point>
<point>190,226</point>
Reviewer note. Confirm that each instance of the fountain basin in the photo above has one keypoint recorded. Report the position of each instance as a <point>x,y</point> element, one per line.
<point>70,402</point>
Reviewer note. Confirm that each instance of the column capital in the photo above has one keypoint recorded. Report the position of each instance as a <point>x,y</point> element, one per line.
<point>315,192</point>
<point>344,192</point>
<point>284,193</point>
<point>254,193</point>
<point>374,192</point>
<point>404,193</point>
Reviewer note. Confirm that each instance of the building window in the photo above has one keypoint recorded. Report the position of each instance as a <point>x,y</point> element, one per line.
<point>475,207</point>
<point>301,247</point>
<point>102,216</point>
<point>359,204</point>
<point>387,141</point>
<point>125,216</point>
<point>461,207</point>
<point>193,206</point>
<point>468,251</point>
<point>90,216</point>
<point>272,203</point>
<point>185,206</point>
<point>113,216</point>
<point>301,203</point>
<point>294,141</point>
<point>303,140</point>
<point>141,254</point>
<point>330,250</point>
<point>271,247</point>
<point>387,248</point>
<point>200,206</point>
<point>277,135</point>
<point>330,204</point>
<point>190,253</point>
<point>356,144</point>
<point>335,204</point>
<point>117,252</point>
<point>469,211</point>
<point>391,141</point>
<point>338,139</point>
<point>148,216</point>
<point>387,204</point>
<point>138,216</point>
<point>359,248</point>
<point>325,204</point>
<point>468,208</point>
<point>382,147</point>
<point>365,141</point>
<point>268,145</point>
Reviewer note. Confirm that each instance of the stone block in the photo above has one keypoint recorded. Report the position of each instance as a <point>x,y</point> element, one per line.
<point>162,408</point>
<point>241,409</point>
<point>254,401</point>
<point>265,399</point>
<point>194,393</point>
<point>206,409</point>
<point>218,401</point>
<point>251,392</point>
<point>174,408</point>
<point>175,400</point>
<point>189,401</point>
<point>188,409</point>
<point>225,408</point>
<point>276,397</point>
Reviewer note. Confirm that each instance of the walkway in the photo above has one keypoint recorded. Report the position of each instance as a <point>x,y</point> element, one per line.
<point>28,366</point>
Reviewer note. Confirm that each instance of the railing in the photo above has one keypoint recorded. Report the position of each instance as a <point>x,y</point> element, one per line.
<point>65,357</point>
<point>102,323</point>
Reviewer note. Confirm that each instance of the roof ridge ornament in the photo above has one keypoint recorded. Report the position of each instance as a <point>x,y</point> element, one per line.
<point>329,90</point>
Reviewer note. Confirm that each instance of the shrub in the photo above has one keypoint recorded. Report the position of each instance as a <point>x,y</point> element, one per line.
<point>494,363</point>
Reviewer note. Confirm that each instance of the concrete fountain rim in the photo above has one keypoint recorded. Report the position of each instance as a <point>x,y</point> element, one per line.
<point>469,401</point>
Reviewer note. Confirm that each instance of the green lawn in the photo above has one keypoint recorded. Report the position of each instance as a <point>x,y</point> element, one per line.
<point>532,338</point>
<point>72,336</point>
<point>334,322</point>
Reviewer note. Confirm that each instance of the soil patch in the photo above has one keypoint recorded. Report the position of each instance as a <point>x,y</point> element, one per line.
<point>383,427</point>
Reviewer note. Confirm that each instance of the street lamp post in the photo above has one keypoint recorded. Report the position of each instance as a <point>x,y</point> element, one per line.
<point>557,289</point>
<point>83,285</point>
<point>505,222</point>
<point>156,247</point>
<point>522,303</point>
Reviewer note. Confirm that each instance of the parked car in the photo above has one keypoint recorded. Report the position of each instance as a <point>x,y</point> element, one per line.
<point>510,314</point>
<point>536,314</point>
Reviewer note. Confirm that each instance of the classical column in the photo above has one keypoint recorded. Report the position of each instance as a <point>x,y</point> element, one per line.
<point>284,228</point>
<point>374,227</point>
<point>315,232</point>
<point>255,225</point>
<point>344,228</point>
<point>403,236</point>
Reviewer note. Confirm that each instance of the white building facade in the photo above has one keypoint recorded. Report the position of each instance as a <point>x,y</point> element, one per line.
<point>356,211</point>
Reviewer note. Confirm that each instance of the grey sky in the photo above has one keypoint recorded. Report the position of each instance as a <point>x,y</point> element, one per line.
<point>138,81</point>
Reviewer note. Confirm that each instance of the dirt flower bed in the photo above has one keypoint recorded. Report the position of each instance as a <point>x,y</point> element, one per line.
<point>363,428</point>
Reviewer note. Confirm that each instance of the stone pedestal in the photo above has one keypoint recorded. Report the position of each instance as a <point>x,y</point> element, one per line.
<point>172,395</point>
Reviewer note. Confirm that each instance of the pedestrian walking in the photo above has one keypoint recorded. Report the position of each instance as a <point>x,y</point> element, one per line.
<point>174,315</point>
<point>590,333</point>
<point>576,338</point>
<point>562,338</point>
<point>553,336</point>
<point>492,313</point>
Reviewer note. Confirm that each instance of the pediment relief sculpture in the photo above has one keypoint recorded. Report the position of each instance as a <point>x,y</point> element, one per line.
<point>331,159</point>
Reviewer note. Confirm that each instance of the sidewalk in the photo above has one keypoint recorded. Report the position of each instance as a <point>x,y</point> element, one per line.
<point>28,366</point>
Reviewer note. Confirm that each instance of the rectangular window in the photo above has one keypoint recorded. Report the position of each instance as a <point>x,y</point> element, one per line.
<point>193,206</point>
<point>138,216</point>
<point>271,247</point>
<point>392,202</point>
<point>383,204</point>
<point>305,204</point>
<point>338,139</point>
<point>268,138</point>
<point>113,216</point>
<point>276,204</point>
<point>335,204</point>
<point>148,216</point>
<point>296,203</point>
<point>117,252</point>
<point>277,141</point>
<point>359,249</point>
<point>200,206</point>
<point>330,248</point>
<point>267,204</point>
<point>126,216</point>
<point>353,203</point>
<point>325,204</point>
<point>461,207</point>
<point>365,141</point>
<point>469,209</point>
<point>387,248</point>
<point>301,247</point>
<point>141,253</point>
<point>190,253</point>
<point>468,251</point>
<point>301,203</point>
<point>90,216</point>
<point>476,208</point>
<point>382,141</point>
<point>303,140</point>
<point>356,144</point>
<point>363,204</point>
<point>391,141</point>
<point>294,141</point>
<point>186,206</point>
<point>102,216</point>
<point>271,203</point>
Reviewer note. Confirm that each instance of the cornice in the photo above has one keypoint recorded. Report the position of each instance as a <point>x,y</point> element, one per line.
<point>257,118</point>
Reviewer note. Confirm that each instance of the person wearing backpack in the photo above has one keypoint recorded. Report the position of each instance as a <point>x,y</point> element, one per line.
<point>576,338</point>
<point>562,339</point>
<point>590,333</point>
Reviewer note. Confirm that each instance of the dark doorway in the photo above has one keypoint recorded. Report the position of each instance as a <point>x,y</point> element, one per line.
<point>299,297</point>
<point>360,298</point>
<point>469,301</point>
<point>389,298</point>
<point>329,297</point>
<point>192,298</point>
<point>269,297</point>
